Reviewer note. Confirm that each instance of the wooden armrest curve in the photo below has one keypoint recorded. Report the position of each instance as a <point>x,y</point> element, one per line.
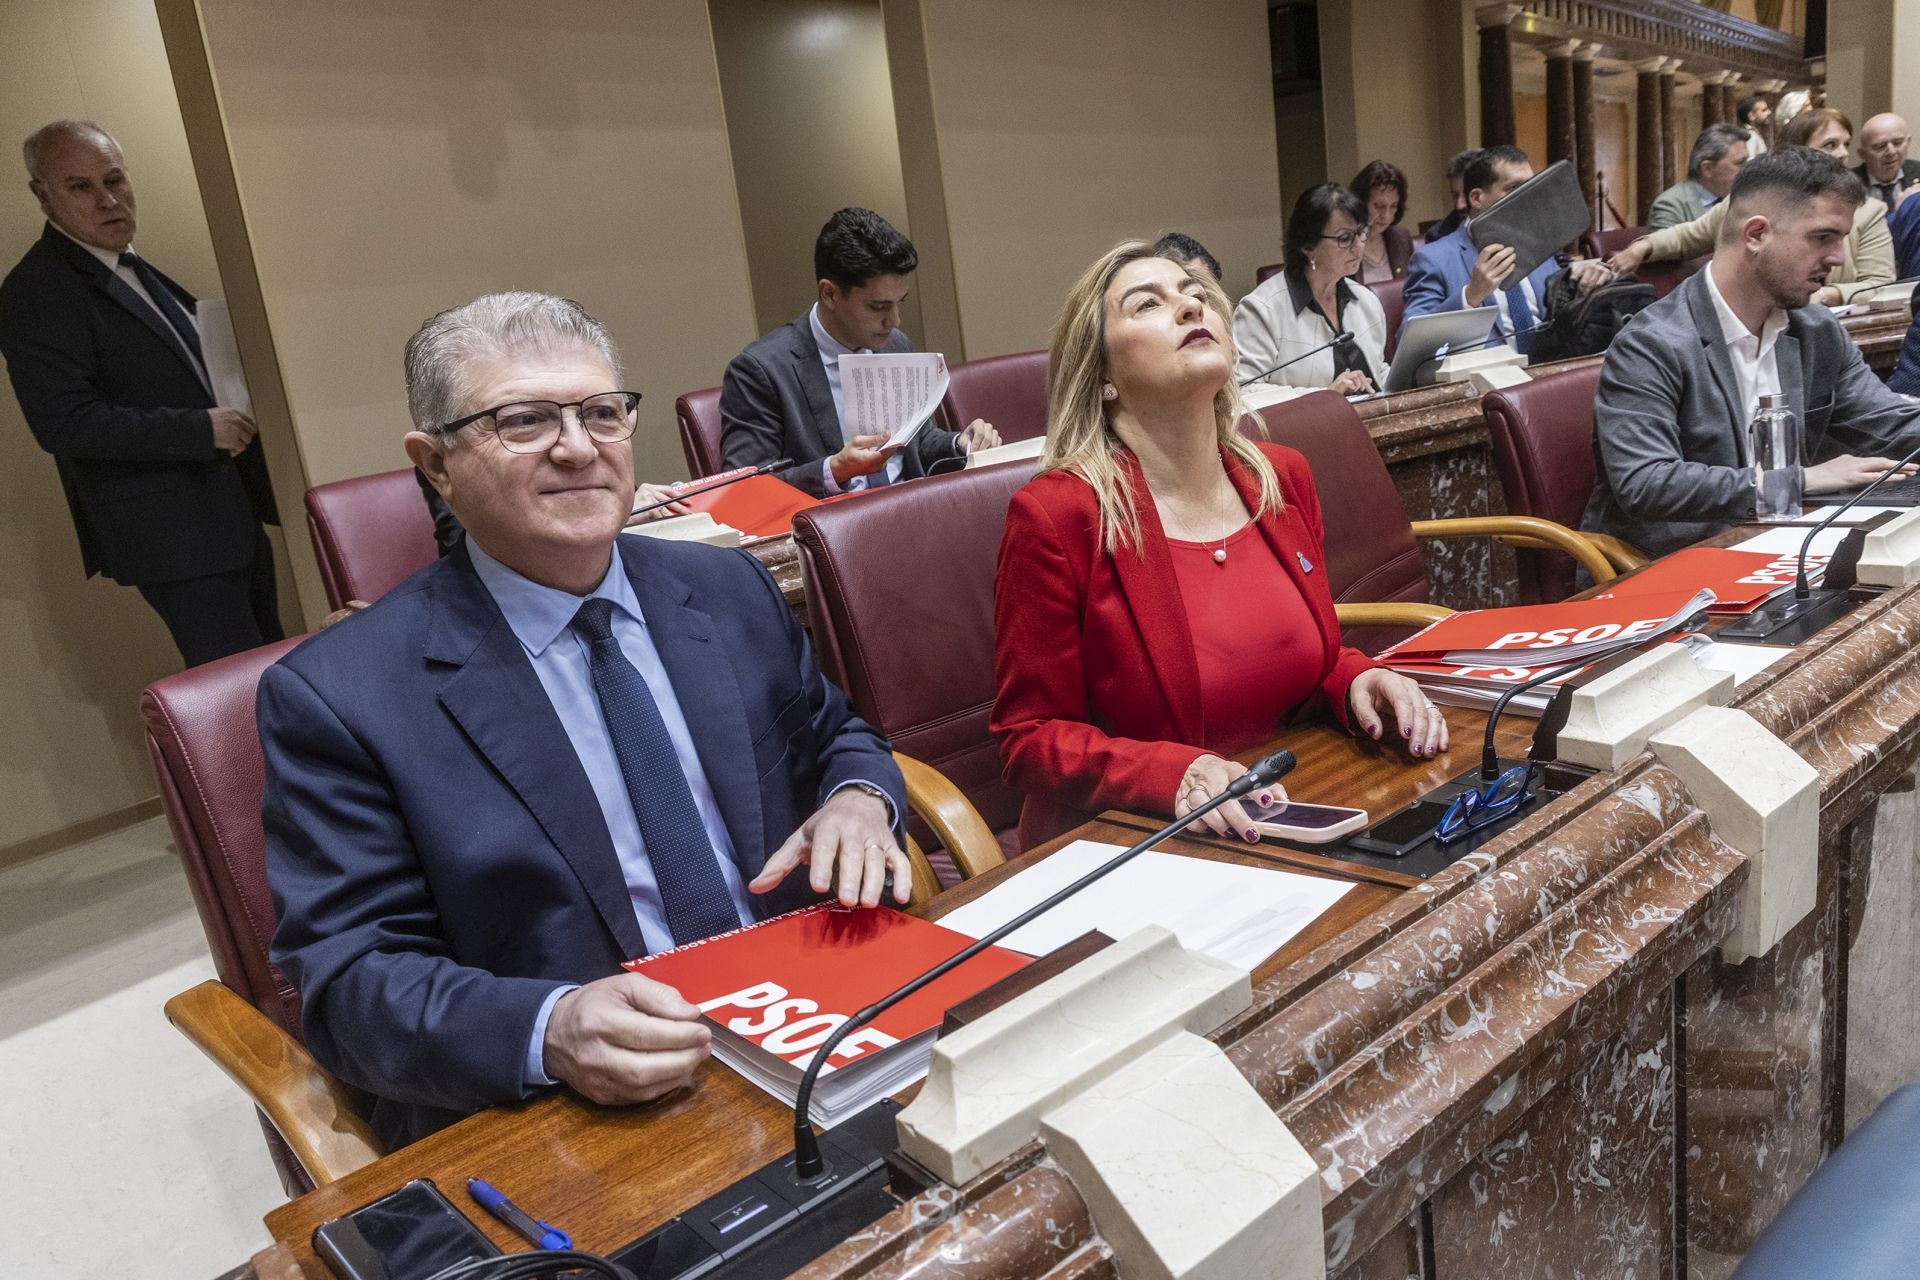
<point>1399,613</point>
<point>308,1107</point>
<point>942,806</point>
<point>1529,530</point>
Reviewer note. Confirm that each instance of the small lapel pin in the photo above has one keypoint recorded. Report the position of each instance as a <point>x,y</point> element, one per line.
<point>1306,565</point>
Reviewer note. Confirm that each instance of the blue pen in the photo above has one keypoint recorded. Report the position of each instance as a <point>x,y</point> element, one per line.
<point>544,1235</point>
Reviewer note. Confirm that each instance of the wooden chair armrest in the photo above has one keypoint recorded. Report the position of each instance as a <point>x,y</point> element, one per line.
<point>961,829</point>
<point>925,883</point>
<point>1402,613</point>
<point>306,1104</point>
<point>1622,555</point>
<point>1525,531</point>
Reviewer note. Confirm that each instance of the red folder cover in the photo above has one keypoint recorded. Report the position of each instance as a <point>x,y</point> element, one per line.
<point>773,992</point>
<point>759,507</point>
<point>1741,581</point>
<point>1537,635</point>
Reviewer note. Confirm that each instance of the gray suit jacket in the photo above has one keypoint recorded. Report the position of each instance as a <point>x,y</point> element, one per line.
<point>1669,434</point>
<point>775,403</point>
<point>1677,204</point>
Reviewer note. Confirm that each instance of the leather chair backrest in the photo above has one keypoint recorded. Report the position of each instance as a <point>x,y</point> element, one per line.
<point>1667,276</point>
<point>1008,391</point>
<point>205,749</point>
<point>1604,244</point>
<point>1371,552</point>
<point>1393,300</point>
<point>1542,434</point>
<point>698,415</point>
<point>370,534</point>
<point>1262,274</point>
<point>900,593</point>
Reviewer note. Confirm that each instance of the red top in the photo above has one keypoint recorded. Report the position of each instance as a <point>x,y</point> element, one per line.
<point>1259,649</point>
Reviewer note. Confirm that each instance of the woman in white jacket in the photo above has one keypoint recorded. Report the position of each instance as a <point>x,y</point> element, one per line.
<point>1311,299</point>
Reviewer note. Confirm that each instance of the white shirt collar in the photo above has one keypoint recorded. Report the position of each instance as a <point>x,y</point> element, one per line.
<point>537,614</point>
<point>831,348</point>
<point>1734,329</point>
<point>107,256</point>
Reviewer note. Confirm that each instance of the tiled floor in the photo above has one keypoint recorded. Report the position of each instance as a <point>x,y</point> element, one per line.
<point>125,1152</point>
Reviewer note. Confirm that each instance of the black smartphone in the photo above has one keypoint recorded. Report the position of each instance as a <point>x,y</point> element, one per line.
<point>414,1233</point>
<point>1400,833</point>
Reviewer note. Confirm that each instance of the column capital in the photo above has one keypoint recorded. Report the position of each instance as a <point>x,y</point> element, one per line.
<point>1585,50</point>
<point>1498,15</point>
<point>1650,66</point>
<point>1670,66</point>
<point>1771,86</point>
<point>1561,49</point>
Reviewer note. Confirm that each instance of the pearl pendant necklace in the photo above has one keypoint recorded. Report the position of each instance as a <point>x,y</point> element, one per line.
<point>1219,555</point>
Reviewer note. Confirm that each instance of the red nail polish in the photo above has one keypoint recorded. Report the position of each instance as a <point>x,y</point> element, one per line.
<point>1252,836</point>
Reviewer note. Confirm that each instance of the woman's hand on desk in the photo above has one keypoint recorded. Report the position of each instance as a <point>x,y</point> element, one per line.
<point>1379,694</point>
<point>1352,383</point>
<point>625,1039</point>
<point>1206,778</point>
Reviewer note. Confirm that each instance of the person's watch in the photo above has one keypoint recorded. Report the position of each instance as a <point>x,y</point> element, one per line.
<point>871,790</point>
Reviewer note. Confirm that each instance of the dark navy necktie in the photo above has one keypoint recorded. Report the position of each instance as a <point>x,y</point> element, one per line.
<point>165,303</point>
<point>684,862</point>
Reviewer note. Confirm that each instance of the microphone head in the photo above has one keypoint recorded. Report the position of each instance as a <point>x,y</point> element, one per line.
<point>1272,768</point>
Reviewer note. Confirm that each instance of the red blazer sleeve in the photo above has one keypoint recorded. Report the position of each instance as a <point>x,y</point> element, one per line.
<point>1041,715</point>
<point>1296,483</point>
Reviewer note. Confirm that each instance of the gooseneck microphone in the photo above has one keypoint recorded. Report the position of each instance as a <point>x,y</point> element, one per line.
<point>1339,339</point>
<point>735,477</point>
<point>808,1164</point>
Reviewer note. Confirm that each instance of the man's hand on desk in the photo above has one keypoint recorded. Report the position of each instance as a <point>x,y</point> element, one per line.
<point>979,434</point>
<point>1420,723</point>
<point>1848,472</point>
<point>625,1039</point>
<point>849,847</point>
<point>1206,778</point>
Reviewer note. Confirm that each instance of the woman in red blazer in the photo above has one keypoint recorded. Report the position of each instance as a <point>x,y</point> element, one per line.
<point>1161,601</point>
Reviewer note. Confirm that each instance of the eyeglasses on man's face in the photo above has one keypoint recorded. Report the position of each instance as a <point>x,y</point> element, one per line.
<point>535,426</point>
<point>1348,239</point>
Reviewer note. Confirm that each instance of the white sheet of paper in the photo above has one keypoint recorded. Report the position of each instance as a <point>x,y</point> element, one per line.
<point>1744,661</point>
<point>890,393</point>
<point>1853,516</point>
<point>1238,915</point>
<point>1786,540</point>
<point>222,355</point>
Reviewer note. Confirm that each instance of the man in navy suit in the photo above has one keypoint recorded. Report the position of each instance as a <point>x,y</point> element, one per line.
<point>1451,275</point>
<point>554,750</point>
<point>168,490</point>
<point>781,396</point>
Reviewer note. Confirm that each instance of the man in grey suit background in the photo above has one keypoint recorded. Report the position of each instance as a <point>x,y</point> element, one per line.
<point>1712,166</point>
<point>1682,380</point>
<point>781,396</point>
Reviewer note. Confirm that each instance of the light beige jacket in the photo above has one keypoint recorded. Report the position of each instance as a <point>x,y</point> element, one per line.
<point>1869,246</point>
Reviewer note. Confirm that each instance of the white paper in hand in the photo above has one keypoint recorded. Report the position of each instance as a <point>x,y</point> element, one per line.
<point>890,393</point>
<point>222,355</point>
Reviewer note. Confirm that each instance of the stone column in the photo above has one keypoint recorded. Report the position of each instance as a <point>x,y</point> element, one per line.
<point>1649,140</point>
<point>1561,131</point>
<point>1496,74</point>
<point>1670,162</point>
<point>1584,146</point>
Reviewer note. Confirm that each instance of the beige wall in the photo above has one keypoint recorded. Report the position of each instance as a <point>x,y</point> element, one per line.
<point>1392,72</point>
<point>1859,54</point>
<point>395,159</point>
<point>75,654</point>
<point>810,121</point>
<point>1062,128</point>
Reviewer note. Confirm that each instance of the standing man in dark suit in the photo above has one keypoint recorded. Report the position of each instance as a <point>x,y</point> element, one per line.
<point>1683,379</point>
<point>781,396</point>
<point>551,751</point>
<point>168,490</point>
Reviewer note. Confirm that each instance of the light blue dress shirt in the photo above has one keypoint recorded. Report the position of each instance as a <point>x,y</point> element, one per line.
<point>539,617</point>
<point>831,349</point>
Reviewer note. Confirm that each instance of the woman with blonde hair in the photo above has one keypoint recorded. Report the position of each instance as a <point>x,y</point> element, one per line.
<point>1161,602</point>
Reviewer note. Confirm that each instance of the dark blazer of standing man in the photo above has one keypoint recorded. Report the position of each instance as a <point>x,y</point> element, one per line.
<point>781,396</point>
<point>168,491</point>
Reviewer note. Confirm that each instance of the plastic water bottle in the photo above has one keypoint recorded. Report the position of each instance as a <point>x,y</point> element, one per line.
<point>1773,442</point>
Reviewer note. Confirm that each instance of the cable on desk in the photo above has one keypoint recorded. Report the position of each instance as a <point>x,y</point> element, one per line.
<point>536,1265</point>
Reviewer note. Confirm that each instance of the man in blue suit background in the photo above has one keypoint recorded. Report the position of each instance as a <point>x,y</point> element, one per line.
<point>552,751</point>
<point>1450,274</point>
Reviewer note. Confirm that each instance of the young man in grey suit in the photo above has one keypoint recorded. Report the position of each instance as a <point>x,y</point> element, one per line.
<point>781,396</point>
<point>1682,380</point>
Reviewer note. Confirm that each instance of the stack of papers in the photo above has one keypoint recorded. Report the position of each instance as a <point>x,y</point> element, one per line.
<point>890,393</point>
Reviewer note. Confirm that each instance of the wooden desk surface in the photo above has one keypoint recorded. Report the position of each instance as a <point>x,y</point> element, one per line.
<point>609,1175</point>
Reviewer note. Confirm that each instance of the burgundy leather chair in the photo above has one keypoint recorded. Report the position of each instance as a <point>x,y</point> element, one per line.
<point>205,748</point>
<point>1604,244</point>
<point>370,534</point>
<point>1008,391</point>
<point>1374,568</point>
<point>698,415</point>
<point>1262,274</point>
<point>900,593</point>
<point>1393,301</point>
<point>1543,446</point>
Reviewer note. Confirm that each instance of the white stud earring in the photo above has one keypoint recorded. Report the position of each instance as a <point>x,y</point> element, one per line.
<point>1109,393</point>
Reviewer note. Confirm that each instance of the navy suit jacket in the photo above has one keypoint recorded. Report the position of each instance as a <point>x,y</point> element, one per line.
<point>775,403</point>
<point>437,856</point>
<point>1437,279</point>
<point>109,392</point>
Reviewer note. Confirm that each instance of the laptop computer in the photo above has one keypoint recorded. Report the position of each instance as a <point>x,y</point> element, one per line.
<point>1427,339</point>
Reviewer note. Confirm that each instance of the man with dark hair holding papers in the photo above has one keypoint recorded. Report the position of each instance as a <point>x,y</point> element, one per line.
<point>553,751</point>
<point>1682,380</point>
<point>781,396</point>
<point>1451,274</point>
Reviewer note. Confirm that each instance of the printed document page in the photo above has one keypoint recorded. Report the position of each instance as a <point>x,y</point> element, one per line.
<point>222,355</point>
<point>890,393</point>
